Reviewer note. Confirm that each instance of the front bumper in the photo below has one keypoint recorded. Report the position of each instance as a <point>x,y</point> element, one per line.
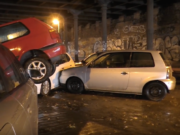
<point>170,83</point>
<point>62,85</point>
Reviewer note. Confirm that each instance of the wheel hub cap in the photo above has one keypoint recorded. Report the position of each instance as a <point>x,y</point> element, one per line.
<point>155,91</point>
<point>75,85</point>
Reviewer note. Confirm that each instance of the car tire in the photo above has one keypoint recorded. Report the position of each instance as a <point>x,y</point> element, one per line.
<point>53,69</point>
<point>39,69</point>
<point>75,85</point>
<point>45,88</point>
<point>155,91</point>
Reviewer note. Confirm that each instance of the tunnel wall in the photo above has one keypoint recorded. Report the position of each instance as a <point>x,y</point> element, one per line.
<point>129,32</point>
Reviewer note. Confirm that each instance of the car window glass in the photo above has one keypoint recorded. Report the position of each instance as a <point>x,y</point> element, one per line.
<point>118,60</point>
<point>165,59</point>
<point>64,58</point>
<point>12,31</point>
<point>99,63</point>
<point>2,82</point>
<point>142,59</point>
<point>23,75</point>
<point>13,73</point>
<point>6,72</point>
<point>113,60</point>
<point>4,85</point>
<point>91,58</point>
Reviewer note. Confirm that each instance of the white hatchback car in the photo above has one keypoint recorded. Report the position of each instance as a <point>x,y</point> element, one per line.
<point>131,72</point>
<point>53,81</point>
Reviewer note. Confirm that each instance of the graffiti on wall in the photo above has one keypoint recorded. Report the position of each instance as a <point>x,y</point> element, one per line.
<point>80,52</point>
<point>131,37</point>
<point>165,30</point>
<point>117,32</point>
<point>169,46</point>
<point>140,29</point>
<point>135,42</point>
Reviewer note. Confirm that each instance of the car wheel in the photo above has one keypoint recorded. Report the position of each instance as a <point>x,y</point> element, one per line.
<point>75,85</point>
<point>45,88</point>
<point>53,69</point>
<point>38,69</point>
<point>155,91</point>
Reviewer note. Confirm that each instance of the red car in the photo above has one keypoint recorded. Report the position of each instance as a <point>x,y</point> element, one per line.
<point>37,46</point>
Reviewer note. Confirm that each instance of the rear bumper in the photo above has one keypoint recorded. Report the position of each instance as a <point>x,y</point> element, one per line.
<point>170,83</point>
<point>56,59</point>
<point>54,51</point>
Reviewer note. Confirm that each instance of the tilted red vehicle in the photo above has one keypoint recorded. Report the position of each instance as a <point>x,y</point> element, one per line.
<point>36,45</point>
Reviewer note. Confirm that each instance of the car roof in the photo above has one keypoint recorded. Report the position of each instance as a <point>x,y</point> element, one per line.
<point>20,20</point>
<point>116,51</point>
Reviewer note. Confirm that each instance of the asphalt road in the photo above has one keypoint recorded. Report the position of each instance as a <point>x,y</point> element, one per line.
<point>95,113</point>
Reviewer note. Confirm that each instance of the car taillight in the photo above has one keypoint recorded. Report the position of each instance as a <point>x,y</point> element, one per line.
<point>53,33</point>
<point>168,73</point>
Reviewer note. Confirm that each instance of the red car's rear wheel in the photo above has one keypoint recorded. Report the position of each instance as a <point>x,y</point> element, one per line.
<point>39,69</point>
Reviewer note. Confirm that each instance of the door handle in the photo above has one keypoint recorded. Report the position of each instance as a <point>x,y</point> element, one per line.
<point>124,73</point>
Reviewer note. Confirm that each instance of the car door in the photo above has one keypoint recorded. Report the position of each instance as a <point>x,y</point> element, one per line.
<point>109,72</point>
<point>141,68</point>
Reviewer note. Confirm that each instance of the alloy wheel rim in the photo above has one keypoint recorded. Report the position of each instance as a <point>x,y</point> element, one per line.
<point>39,66</point>
<point>155,91</point>
<point>75,85</point>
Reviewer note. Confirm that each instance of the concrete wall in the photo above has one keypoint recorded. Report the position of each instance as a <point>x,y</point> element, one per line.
<point>129,32</point>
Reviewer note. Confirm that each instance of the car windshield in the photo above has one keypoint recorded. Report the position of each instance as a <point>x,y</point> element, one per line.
<point>166,61</point>
<point>91,58</point>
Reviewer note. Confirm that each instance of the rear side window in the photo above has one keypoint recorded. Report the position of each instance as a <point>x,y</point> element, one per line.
<point>166,61</point>
<point>142,59</point>
<point>12,31</point>
<point>64,58</point>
